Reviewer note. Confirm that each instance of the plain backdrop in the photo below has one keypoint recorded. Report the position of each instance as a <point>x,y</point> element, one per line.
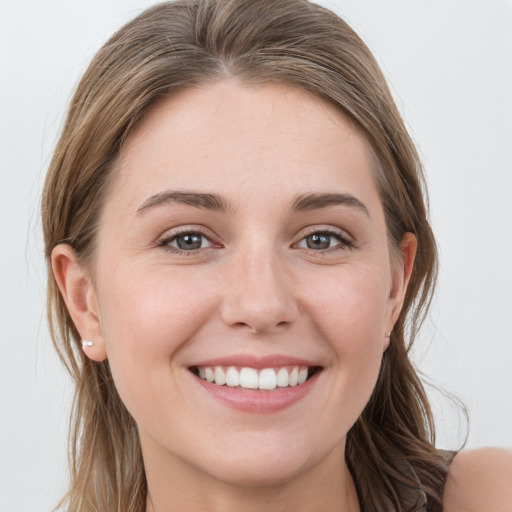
<point>450,67</point>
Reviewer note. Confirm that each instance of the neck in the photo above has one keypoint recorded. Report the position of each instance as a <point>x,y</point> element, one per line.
<point>175,485</point>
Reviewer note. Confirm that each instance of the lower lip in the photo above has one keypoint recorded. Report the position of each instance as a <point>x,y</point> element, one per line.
<point>259,401</point>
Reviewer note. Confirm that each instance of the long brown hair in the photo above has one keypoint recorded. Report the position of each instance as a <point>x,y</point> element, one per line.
<point>176,45</point>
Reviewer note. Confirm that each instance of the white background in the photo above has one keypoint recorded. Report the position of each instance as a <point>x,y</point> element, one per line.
<point>450,66</point>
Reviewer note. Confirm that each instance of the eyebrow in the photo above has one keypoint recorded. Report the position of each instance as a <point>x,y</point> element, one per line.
<point>215,202</point>
<point>199,200</point>
<point>317,201</point>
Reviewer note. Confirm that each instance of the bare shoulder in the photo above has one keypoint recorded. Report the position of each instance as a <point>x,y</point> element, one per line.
<point>479,481</point>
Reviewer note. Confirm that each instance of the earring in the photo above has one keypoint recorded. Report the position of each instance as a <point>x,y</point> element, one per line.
<point>87,343</point>
<point>388,335</point>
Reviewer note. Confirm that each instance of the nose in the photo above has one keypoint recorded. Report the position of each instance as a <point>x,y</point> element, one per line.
<point>259,294</point>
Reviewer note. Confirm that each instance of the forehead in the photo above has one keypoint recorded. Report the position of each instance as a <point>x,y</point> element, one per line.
<point>272,138</point>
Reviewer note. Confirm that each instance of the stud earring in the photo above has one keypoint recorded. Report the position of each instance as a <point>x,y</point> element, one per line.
<point>87,343</point>
<point>388,335</point>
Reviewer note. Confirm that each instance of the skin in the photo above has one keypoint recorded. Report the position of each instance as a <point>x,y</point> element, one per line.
<point>253,287</point>
<point>479,480</point>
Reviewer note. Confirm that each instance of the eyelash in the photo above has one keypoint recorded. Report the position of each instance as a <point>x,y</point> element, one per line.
<point>344,241</point>
<point>165,243</point>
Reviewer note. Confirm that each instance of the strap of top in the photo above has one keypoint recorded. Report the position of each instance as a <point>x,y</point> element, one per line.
<point>415,498</point>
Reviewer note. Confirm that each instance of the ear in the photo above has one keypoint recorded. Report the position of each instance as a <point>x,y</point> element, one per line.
<point>78,292</point>
<point>401,274</point>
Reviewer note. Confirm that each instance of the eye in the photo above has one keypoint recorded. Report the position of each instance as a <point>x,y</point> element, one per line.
<point>325,239</point>
<point>186,241</point>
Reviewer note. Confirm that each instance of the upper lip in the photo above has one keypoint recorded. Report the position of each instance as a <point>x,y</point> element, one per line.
<point>257,362</point>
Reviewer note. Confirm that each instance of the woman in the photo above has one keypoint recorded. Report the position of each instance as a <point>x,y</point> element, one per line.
<point>239,257</point>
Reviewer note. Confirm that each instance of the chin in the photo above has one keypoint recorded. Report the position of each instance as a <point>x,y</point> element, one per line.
<point>264,463</point>
<point>256,472</point>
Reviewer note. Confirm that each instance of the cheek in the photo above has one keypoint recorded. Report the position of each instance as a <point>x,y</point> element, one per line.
<point>147,317</point>
<point>142,306</point>
<point>350,313</point>
<point>350,306</point>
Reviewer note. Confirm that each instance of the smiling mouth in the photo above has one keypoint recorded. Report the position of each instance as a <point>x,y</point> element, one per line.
<point>267,379</point>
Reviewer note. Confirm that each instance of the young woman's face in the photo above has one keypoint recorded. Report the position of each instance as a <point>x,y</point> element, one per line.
<point>243,239</point>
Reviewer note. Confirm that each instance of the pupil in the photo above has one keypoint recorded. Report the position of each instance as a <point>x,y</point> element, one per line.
<point>189,242</point>
<point>318,241</point>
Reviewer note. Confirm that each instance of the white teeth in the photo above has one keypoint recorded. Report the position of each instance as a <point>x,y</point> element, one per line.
<point>220,376</point>
<point>303,375</point>
<point>282,378</point>
<point>232,377</point>
<point>294,377</point>
<point>210,376</point>
<point>248,378</point>
<point>268,379</point>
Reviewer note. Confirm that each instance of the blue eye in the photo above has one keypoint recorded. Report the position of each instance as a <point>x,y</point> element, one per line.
<point>187,241</point>
<point>319,241</point>
<point>324,240</point>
